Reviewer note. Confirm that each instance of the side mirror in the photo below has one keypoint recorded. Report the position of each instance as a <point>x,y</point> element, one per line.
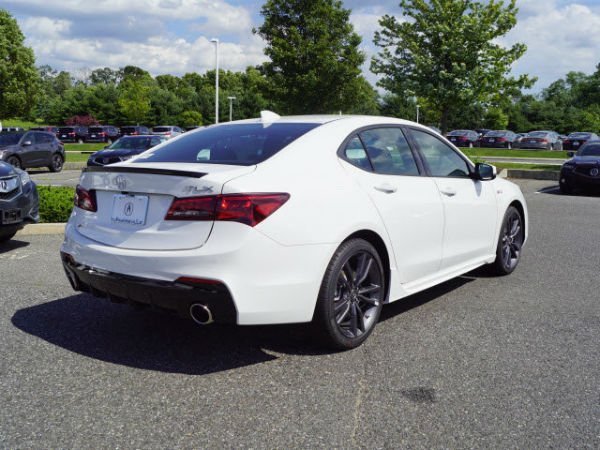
<point>26,144</point>
<point>484,172</point>
<point>570,154</point>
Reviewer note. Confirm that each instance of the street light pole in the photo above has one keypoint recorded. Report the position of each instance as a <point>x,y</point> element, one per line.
<point>417,113</point>
<point>216,42</point>
<point>231,99</point>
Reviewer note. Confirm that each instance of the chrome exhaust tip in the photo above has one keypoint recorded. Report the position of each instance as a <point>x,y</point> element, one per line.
<point>201,314</point>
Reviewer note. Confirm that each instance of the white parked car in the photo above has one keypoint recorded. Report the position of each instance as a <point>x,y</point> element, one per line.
<point>291,219</point>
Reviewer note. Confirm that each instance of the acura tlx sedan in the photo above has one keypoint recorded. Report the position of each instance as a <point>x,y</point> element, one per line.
<point>291,219</point>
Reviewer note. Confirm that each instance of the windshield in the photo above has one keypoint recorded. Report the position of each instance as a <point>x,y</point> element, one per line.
<point>579,136</point>
<point>589,150</point>
<point>161,129</point>
<point>131,143</point>
<point>458,133</point>
<point>496,133</point>
<point>10,139</point>
<point>240,144</point>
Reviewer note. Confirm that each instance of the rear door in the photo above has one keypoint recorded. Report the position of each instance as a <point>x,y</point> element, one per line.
<point>470,210</point>
<point>408,203</point>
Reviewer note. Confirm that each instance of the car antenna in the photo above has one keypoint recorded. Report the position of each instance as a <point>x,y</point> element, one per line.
<point>269,116</point>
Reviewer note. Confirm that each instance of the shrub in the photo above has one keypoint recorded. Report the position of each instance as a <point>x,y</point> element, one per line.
<point>56,203</point>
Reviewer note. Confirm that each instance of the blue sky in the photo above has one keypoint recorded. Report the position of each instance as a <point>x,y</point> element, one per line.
<point>173,36</point>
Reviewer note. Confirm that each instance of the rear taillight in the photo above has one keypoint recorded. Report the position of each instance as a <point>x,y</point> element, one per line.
<point>85,199</point>
<point>71,134</point>
<point>544,141</point>
<point>501,139</point>
<point>249,209</point>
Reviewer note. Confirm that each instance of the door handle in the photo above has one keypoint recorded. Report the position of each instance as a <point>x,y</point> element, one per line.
<point>448,191</point>
<point>386,188</point>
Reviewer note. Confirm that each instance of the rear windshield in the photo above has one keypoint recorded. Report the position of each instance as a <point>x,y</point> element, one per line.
<point>458,133</point>
<point>496,133</point>
<point>132,143</point>
<point>128,129</point>
<point>590,150</point>
<point>240,144</point>
<point>579,136</point>
<point>66,130</point>
<point>538,134</point>
<point>161,129</point>
<point>10,139</point>
<point>95,129</point>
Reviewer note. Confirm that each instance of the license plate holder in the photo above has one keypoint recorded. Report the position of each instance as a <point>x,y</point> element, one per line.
<point>129,209</point>
<point>11,216</point>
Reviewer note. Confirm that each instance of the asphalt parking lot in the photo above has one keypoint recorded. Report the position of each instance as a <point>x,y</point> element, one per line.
<point>478,362</point>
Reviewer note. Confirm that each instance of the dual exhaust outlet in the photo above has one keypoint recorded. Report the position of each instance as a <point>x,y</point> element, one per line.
<point>201,314</point>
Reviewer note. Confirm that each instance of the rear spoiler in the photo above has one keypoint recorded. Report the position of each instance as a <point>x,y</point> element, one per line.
<point>178,173</point>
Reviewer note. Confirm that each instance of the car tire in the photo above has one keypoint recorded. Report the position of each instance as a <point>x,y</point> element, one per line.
<point>57,163</point>
<point>14,161</point>
<point>351,296</point>
<point>565,188</point>
<point>7,234</point>
<point>510,243</point>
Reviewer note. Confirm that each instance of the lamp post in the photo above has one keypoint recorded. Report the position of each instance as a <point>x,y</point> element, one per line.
<point>216,42</point>
<point>417,113</point>
<point>231,99</point>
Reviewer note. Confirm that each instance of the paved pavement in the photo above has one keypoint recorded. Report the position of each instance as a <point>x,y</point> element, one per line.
<point>478,362</point>
<point>544,161</point>
<point>67,177</point>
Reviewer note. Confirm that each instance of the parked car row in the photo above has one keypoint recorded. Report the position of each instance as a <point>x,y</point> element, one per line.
<point>110,133</point>
<point>539,140</point>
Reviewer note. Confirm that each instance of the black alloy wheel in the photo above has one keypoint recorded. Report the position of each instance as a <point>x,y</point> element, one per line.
<point>510,242</point>
<point>57,163</point>
<point>351,295</point>
<point>14,161</point>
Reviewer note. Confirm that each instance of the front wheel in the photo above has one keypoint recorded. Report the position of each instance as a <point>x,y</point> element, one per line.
<point>351,295</point>
<point>510,243</point>
<point>57,163</point>
<point>7,234</point>
<point>565,188</point>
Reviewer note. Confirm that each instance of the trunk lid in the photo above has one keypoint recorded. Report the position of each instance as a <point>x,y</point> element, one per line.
<point>133,199</point>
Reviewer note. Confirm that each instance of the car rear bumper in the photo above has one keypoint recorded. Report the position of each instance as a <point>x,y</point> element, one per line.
<point>268,283</point>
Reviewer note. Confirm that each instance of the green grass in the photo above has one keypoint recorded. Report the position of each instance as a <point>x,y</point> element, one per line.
<point>20,123</point>
<point>84,147</point>
<point>76,157</point>
<point>481,152</point>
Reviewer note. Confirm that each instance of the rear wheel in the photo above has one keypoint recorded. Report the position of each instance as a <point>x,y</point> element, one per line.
<point>510,242</point>
<point>14,161</point>
<point>57,163</point>
<point>351,295</point>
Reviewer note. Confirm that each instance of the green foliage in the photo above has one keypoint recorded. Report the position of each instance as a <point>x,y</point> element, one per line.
<point>314,56</point>
<point>190,118</point>
<point>56,203</point>
<point>19,80</point>
<point>445,53</point>
<point>134,101</point>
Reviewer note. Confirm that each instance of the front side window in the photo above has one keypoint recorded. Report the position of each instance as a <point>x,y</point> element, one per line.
<point>441,159</point>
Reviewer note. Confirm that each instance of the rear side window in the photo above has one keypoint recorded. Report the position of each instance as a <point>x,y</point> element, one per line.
<point>389,151</point>
<point>240,144</point>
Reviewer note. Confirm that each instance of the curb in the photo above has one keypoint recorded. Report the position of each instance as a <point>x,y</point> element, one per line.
<point>533,174</point>
<point>42,228</point>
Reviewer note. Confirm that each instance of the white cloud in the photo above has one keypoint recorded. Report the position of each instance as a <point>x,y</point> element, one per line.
<point>45,28</point>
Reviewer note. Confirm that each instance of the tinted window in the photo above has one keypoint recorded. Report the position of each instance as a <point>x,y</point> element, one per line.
<point>538,134</point>
<point>579,136</point>
<point>131,143</point>
<point>161,129</point>
<point>389,151</point>
<point>240,144</point>
<point>66,130</point>
<point>96,129</point>
<point>459,133</point>
<point>496,133</point>
<point>43,138</point>
<point>442,160</point>
<point>589,150</point>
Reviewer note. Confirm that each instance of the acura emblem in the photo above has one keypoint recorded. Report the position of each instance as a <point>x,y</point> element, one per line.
<point>594,172</point>
<point>121,182</point>
<point>4,185</point>
<point>128,209</point>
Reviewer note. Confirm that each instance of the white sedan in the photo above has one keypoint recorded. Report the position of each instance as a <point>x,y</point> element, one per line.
<point>291,219</point>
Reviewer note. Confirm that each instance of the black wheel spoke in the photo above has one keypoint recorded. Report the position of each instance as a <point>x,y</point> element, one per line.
<point>368,300</point>
<point>369,289</point>
<point>363,270</point>
<point>340,318</point>
<point>354,320</point>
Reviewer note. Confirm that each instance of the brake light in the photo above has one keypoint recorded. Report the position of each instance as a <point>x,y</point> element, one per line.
<point>85,199</point>
<point>71,134</point>
<point>501,139</point>
<point>249,209</point>
<point>544,141</point>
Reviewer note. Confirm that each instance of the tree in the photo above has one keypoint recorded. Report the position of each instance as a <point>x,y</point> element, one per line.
<point>314,55</point>
<point>190,119</point>
<point>19,78</point>
<point>134,100</point>
<point>446,52</point>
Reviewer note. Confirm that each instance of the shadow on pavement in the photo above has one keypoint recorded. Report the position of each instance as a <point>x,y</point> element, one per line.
<point>159,341</point>
<point>13,244</point>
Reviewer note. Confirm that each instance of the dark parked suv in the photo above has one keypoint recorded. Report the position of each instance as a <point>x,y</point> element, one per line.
<point>134,130</point>
<point>102,133</point>
<point>32,149</point>
<point>72,134</point>
<point>19,202</point>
